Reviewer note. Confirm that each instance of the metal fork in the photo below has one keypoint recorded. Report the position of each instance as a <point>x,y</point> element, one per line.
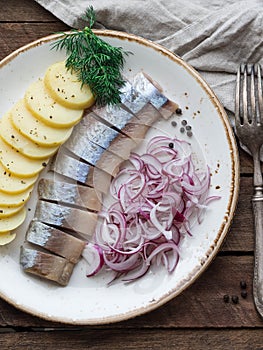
<point>249,130</point>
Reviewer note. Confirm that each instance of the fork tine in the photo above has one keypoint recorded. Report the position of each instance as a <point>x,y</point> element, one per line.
<point>260,97</point>
<point>253,96</point>
<point>245,96</point>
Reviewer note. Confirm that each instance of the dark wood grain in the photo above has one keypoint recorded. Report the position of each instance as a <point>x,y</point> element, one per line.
<point>15,35</point>
<point>112,339</point>
<point>198,318</point>
<point>24,11</point>
<point>240,237</point>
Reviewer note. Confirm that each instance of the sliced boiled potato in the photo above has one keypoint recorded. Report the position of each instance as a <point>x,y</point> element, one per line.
<point>9,211</point>
<point>12,222</point>
<point>21,143</point>
<point>10,183</point>
<point>17,164</point>
<point>35,130</point>
<point>14,200</point>
<point>49,111</point>
<point>6,237</point>
<point>65,87</point>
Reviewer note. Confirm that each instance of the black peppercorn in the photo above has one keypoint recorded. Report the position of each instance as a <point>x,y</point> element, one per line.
<point>226,298</point>
<point>174,123</point>
<point>178,111</point>
<point>171,145</point>
<point>243,284</point>
<point>243,294</point>
<point>235,299</point>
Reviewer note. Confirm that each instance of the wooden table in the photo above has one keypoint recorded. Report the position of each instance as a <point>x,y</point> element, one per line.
<point>197,319</point>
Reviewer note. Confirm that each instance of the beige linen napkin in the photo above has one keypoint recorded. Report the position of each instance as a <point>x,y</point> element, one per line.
<point>214,36</point>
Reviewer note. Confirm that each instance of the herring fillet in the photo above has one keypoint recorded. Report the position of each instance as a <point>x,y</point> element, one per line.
<point>106,137</point>
<point>96,131</point>
<point>83,222</point>
<point>55,241</point>
<point>69,193</point>
<point>45,265</point>
<point>92,153</point>
<point>142,105</point>
<point>79,171</point>
<point>144,85</point>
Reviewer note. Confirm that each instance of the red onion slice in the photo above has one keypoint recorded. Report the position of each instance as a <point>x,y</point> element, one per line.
<point>158,198</point>
<point>93,256</point>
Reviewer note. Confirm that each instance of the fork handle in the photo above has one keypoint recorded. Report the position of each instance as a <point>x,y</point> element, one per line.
<point>257,204</point>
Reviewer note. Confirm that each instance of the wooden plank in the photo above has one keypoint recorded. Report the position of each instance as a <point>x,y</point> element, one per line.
<point>240,236</point>
<point>201,305</point>
<point>15,35</point>
<point>246,163</point>
<point>24,11</point>
<point>111,339</point>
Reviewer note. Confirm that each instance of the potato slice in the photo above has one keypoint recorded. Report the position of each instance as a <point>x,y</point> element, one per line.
<point>5,212</point>
<point>6,237</point>
<point>65,87</point>
<point>21,143</point>
<point>17,164</point>
<point>13,184</point>
<point>12,222</point>
<point>35,130</point>
<point>46,109</point>
<point>14,200</point>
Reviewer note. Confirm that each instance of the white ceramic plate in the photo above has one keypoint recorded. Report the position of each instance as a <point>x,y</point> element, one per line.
<point>91,301</point>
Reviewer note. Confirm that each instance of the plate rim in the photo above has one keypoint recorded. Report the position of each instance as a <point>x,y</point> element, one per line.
<point>232,203</point>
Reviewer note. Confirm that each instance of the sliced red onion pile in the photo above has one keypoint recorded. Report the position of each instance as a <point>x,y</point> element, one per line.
<point>158,197</point>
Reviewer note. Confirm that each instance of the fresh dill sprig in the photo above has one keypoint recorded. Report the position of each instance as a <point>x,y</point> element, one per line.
<point>97,63</point>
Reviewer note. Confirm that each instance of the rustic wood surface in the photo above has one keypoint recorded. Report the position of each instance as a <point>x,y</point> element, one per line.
<point>198,318</point>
